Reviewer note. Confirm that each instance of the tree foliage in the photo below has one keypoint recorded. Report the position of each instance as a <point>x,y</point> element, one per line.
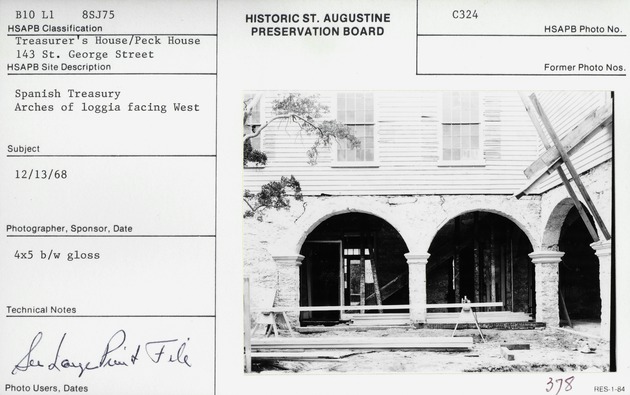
<point>272,195</point>
<point>306,112</point>
<point>250,155</point>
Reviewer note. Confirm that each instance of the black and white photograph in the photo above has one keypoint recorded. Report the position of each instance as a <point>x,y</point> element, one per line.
<point>223,197</point>
<point>428,231</point>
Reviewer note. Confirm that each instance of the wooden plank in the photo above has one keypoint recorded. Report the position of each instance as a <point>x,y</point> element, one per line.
<point>493,262</point>
<point>247,326</point>
<point>377,289</point>
<point>484,318</point>
<point>564,307</point>
<point>516,346</point>
<point>598,119</point>
<point>302,355</point>
<point>340,328</point>
<point>470,320</point>
<point>379,315</point>
<point>343,340</point>
<point>578,205</point>
<point>567,161</point>
<point>362,273</point>
<point>528,108</point>
<point>476,253</point>
<point>384,307</point>
<point>456,260</point>
<point>363,343</point>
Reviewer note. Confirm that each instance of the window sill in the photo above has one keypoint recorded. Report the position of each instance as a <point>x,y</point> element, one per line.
<point>254,166</point>
<point>354,164</point>
<point>461,163</point>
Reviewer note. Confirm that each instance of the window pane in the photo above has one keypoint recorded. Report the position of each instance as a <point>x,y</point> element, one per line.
<point>369,154</point>
<point>369,108</point>
<point>446,154</point>
<point>456,132</point>
<point>351,155</point>
<point>369,131</point>
<point>254,116</point>
<point>341,154</point>
<point>350,108</point>
<point>255,142</point>
<point>465,142</point>
<point>474,107</point>
<point>360,108</point>
<point>368,143</point>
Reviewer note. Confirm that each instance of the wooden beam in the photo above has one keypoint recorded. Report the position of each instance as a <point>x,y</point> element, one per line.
<point>493,261</point>
<point>564,307</point>
<point>567,161</point>
<point>456,259</point>
<point>587,221</point>
<point>516,346</point>
<point>369,343</point>
<point>302,355</point>
<point>596,121</point>
<point>476,253</point>
<point>532,116</point>
<point>384,307</point>
<point>377,288</point>
<point>247,326</point>
<point>362,271</point>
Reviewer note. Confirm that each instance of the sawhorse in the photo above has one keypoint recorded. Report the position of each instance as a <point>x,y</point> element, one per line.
<point>467,310</point>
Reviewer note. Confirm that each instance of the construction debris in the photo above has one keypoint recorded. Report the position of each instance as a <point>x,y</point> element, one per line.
<point>507,348</point>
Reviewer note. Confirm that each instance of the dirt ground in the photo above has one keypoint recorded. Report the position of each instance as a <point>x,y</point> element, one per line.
<point>550,350</point>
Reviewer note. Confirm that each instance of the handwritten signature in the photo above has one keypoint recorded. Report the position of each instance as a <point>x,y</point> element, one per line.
<point>115,354</point>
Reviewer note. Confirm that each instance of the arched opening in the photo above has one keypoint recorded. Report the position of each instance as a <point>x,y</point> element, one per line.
<point>354,260</point>
<point>483,257</point>
<point>579,273</point>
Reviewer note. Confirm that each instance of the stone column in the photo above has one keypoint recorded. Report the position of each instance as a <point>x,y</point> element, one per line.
<point>288,294</point>
<point>603,250</point>
<point>417,286</point>
<point>546,266</point>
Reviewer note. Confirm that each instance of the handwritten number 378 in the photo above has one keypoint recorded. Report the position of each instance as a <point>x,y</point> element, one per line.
<point>559,383</point>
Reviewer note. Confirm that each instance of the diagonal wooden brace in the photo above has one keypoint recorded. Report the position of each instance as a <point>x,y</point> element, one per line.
<point>541,133</point>
<point>567,161</point>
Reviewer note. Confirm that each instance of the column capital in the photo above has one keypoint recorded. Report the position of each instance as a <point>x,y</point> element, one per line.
<point>602,248</point>
<point>288,259</point>
<point>539,257</point>
<point>417,258</point>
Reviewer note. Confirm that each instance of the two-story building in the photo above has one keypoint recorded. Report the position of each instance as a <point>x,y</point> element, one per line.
<point>449,195</point>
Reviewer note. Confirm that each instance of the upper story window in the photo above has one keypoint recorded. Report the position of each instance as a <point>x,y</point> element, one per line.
<point>253,121</point>
<point>356,110</point>
<point>461,140</point>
